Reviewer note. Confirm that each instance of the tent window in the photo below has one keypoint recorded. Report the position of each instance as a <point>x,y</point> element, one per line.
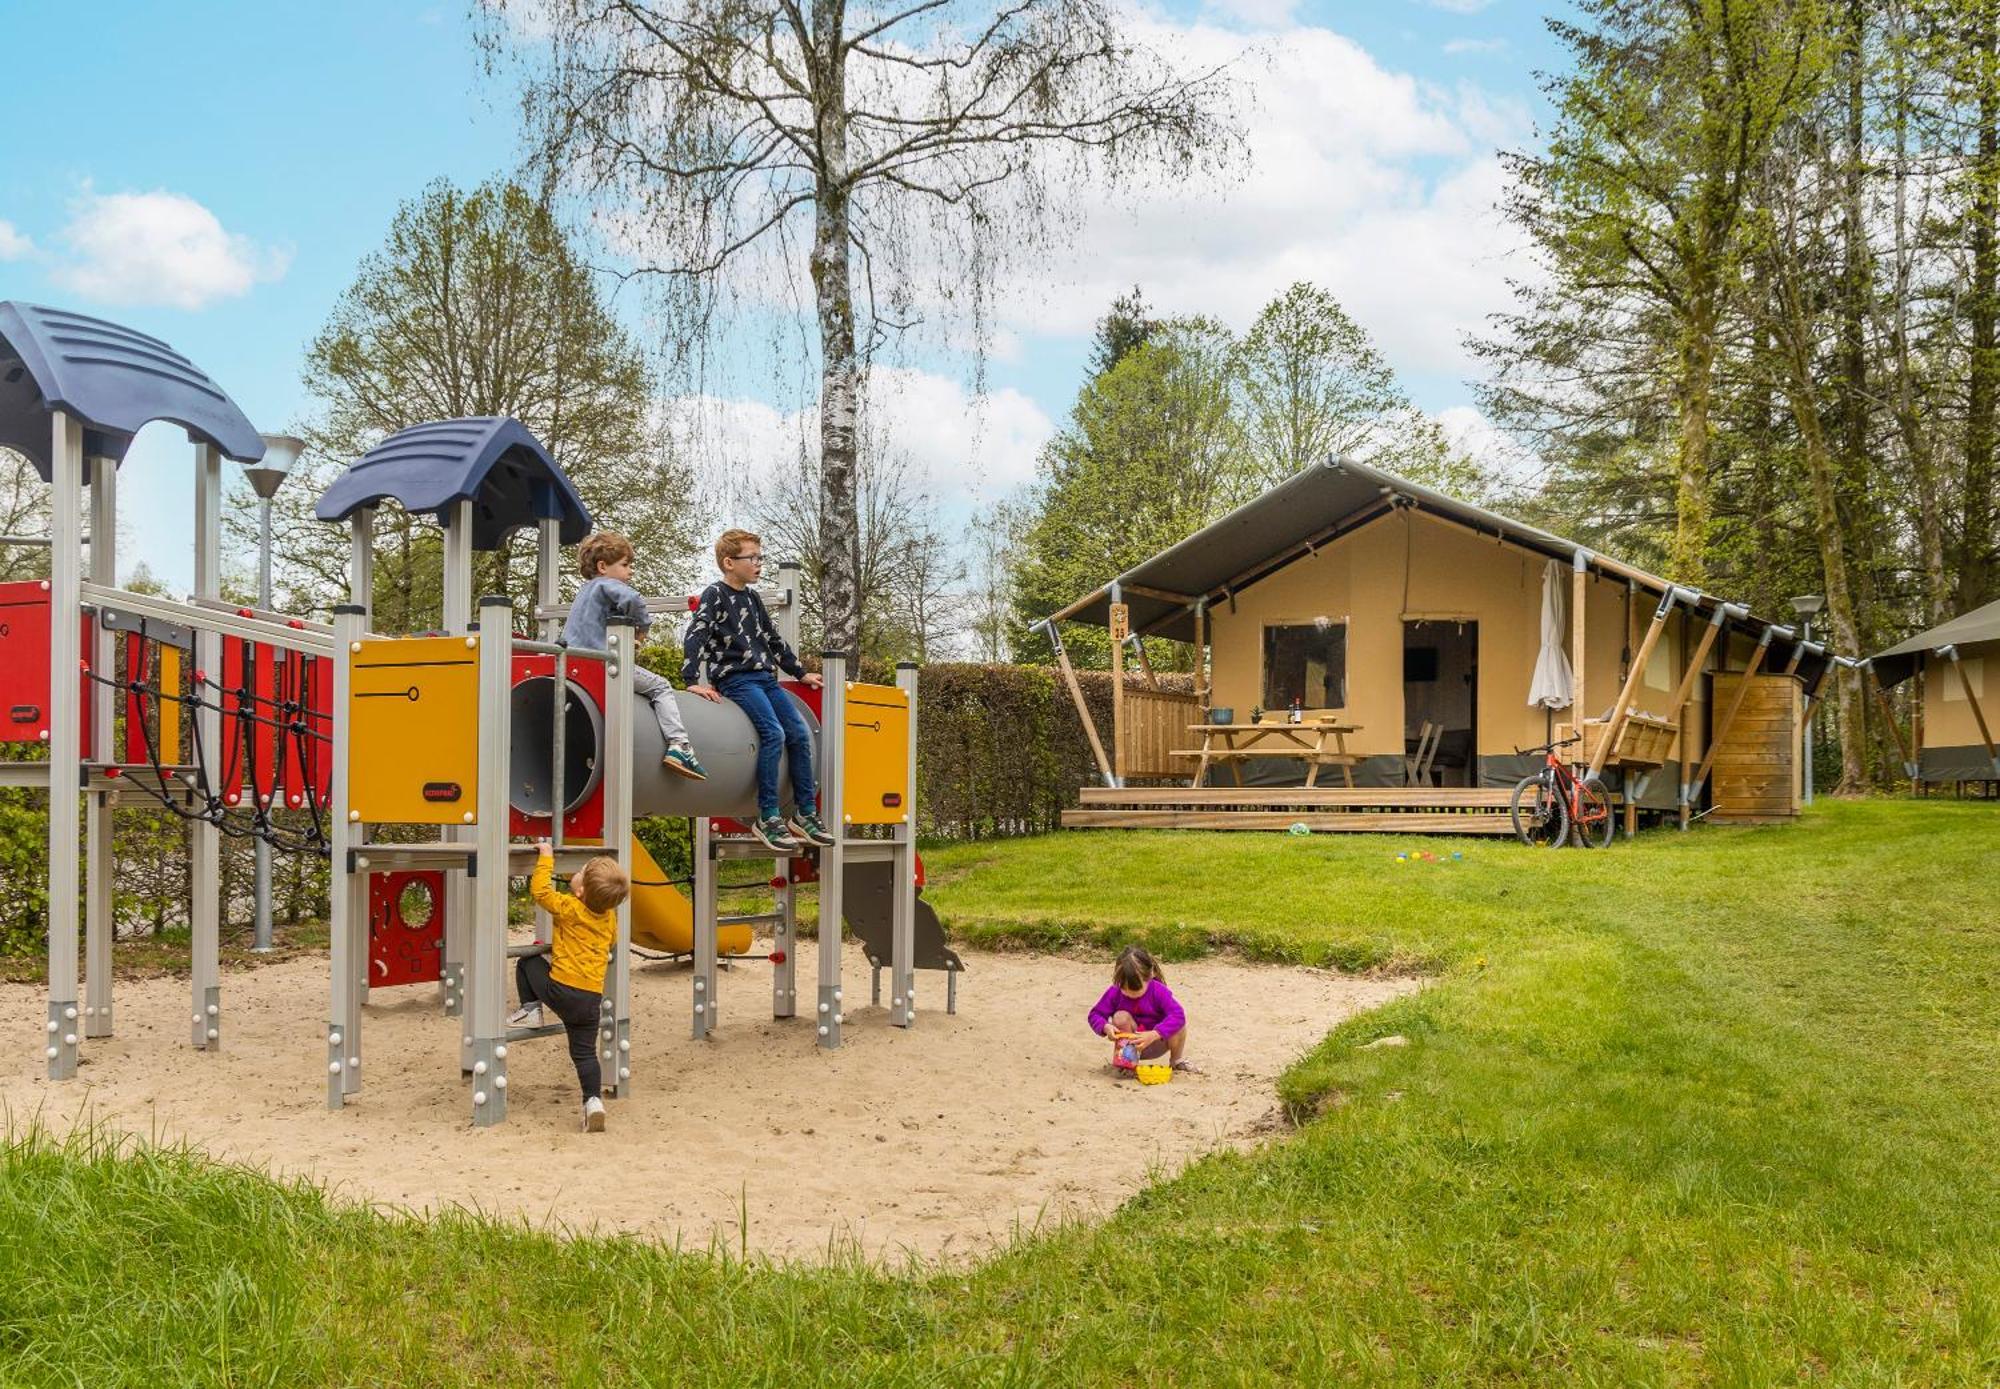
<point>1306,663</point>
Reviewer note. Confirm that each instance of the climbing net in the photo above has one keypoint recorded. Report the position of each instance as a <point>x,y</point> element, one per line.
<point>269,701</point>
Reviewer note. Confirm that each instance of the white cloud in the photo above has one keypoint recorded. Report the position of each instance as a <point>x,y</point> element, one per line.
<point>1460,6</point>
<point>1499,456</point>
<point>1364,180</point>
<point>14,244</point>
<point>963,449</point>
<point>134,249</point>
<point>1458,46</point>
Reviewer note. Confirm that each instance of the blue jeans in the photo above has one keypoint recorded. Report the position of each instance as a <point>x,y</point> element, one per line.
<point>778,722</point>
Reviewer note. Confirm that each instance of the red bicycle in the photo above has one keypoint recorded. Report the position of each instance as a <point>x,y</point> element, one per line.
<point>1554,803</point>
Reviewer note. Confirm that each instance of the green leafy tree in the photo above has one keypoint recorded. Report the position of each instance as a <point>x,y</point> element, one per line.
<point>477,304</point>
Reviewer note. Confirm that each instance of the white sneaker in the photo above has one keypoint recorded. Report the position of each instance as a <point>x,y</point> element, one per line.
<point>593,1115</point>
<point>529,1016</point>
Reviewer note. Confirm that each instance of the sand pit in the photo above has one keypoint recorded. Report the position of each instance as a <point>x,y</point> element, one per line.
<point>938,1141</point>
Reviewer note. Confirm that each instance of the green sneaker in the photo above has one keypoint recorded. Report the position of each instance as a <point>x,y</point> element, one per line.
<point>805,824</point>
<point>771,830</point>
<point>680,758</point>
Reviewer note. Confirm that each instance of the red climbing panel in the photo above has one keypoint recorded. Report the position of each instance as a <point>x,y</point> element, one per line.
<point>249,681</point>
<point>24,665</point>
<point>587,820</point>
<point>308,684</point>
<point>402,950</point>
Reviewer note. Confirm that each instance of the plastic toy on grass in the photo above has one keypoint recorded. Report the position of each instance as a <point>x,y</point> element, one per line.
<point>1154,1073</point>
<point>1299,827</point>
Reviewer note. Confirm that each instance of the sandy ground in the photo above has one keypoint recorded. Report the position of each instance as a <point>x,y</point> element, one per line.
<point>940,1141</point>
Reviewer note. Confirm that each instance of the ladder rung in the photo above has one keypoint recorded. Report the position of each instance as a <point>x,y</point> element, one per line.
<point>547,1029</point>
<point>515,952</point>
<point>753,919</point>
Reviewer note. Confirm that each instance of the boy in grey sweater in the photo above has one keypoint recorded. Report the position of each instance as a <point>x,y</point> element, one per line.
<point>605,561</point>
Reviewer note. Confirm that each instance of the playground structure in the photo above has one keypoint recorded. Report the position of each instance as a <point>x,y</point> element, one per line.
<point>231,714</point>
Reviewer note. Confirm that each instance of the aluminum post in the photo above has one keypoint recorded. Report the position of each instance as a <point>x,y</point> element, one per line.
<point>346,907</point>
<point>832,864</point>
<point>207,874</point>
<point>903,921</point>
<point>65,735</point>
<point>99,927</point>
<point>457,616</point>
<point>707,866</point>
<point>486,996</point>
<point>615,1040</point>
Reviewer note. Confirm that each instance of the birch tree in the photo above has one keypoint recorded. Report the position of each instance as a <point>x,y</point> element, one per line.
<point>910,152</point>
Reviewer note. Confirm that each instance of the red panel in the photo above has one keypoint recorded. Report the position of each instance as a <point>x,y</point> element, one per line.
<point>249,682</point>
<point>24,665</point>
<point>400,952</point>
<point>308,684</point>
<point>587,820</point>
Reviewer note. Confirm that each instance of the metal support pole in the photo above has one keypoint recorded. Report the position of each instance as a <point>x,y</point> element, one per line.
<point>706,868</point>
<point>99,926</point>
<point>903,919</point>
<point>261,887</point>
<point>346,904</point>
<point>832,858</point>
<point>615,1039</point>
<point>457,614</point>
<point>548,592</point>
<point>207,875</point>
<point>487,968</point>
<point>65,735</point>
<point>1806,791</point>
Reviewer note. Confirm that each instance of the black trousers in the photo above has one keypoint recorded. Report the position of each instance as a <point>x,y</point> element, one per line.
<point>578,1010</point>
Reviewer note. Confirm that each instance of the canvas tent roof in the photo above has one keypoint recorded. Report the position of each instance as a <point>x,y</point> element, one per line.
<point>1314,507</point>
<point>1899,662</point>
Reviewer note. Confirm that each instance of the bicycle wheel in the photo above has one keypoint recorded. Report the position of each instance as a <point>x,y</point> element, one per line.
<point>1594,824</point>
<point>1540,818</point>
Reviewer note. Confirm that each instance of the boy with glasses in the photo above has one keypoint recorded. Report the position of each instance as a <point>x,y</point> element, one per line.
<point>733,640</point>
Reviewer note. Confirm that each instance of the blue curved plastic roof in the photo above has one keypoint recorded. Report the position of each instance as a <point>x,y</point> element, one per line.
<point>115,379</point>
<point>494,461</point>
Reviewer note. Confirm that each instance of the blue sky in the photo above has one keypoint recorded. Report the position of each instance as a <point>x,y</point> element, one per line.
<point>212,173</point>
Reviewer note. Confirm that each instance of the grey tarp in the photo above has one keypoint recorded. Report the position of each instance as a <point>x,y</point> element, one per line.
<point>1899,662</point>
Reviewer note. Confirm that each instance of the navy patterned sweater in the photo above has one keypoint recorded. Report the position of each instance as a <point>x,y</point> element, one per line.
<point>732,633</point>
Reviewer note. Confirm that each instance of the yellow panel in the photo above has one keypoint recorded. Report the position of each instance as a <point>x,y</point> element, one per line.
<point>167,675</point>
<point>875,755</point>
<point>413,731</point>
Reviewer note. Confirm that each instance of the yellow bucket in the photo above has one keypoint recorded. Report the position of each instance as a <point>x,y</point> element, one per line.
<point>1154,1073</point>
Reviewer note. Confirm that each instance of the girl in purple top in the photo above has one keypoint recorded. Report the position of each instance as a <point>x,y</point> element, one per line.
<point>1139,1002</point>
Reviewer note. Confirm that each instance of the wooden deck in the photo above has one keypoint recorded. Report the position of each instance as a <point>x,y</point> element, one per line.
<point>1379,810</point>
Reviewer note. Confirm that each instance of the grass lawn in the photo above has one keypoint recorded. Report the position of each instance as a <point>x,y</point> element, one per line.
<point>1721,1108</point>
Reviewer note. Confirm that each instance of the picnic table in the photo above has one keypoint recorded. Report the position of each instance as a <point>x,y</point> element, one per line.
<point>1237,743</point>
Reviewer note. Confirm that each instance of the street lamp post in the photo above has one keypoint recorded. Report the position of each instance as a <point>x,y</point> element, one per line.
<point>281,454</point>
<point>1807,605</point>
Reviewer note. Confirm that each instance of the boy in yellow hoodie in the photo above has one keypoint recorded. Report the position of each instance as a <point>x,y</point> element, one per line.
<point>569,980</point>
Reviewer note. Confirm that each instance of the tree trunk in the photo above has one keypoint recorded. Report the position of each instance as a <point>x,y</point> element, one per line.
<point>1797,345</point>
<point>1858,509</point>
<point>1975,576</point>
<point>840,368</point>
<point>1689,561</point>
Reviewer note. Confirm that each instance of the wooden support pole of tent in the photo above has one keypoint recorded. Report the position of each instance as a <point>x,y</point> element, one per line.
<point>1201,685</point>
<point>1076,697</point>
<point>1121,626</point>
<point>1889,717</point>
<point>1078,606</point>
<point>1145,665</point>
<point>1165,595</point>
<point>1630,691</point>
<point>1729,714</point>
<point>1792,666</point>
<point>1950,653</point>
<point>1579,591</point>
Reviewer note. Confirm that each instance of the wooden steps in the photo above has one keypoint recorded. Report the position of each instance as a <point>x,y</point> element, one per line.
<point>1322,809</point>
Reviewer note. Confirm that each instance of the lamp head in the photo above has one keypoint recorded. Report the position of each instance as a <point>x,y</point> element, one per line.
<point>1808,604</point>
<point>281,455</point>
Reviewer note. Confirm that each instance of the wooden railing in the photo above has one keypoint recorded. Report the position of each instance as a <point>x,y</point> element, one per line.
<point>1155,725</point>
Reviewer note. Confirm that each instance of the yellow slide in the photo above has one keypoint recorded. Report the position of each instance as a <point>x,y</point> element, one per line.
<point>662,919</point>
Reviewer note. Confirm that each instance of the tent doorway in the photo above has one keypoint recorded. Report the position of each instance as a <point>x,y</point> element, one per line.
<point>1441,688</point>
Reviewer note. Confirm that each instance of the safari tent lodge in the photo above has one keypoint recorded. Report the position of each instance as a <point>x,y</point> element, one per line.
<point>1372,654</point>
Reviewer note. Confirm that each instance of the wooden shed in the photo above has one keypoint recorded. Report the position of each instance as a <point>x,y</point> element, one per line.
<point>1403,629</point>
